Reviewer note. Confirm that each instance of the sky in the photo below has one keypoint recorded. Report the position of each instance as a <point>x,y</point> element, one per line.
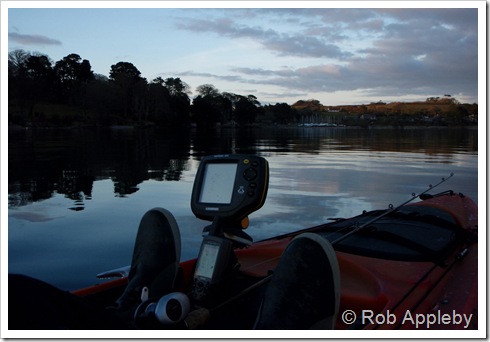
<point>339,56</point>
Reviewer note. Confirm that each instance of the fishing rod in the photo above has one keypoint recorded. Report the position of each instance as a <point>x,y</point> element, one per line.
<point>391,210</point>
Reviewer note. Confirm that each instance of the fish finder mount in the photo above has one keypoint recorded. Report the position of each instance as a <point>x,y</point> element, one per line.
<point>227,188</point>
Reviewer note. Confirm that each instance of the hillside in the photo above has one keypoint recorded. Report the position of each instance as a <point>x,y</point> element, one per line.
<point>446,110</point>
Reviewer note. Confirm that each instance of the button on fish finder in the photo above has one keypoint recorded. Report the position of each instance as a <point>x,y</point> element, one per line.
<point>250,174</point>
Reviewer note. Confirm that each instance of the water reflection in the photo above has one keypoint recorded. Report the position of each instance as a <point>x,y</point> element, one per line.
<point>42,163</point>
<point>76,196</point>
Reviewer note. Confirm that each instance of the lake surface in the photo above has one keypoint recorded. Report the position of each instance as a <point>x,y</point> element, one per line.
<point>76,196</point>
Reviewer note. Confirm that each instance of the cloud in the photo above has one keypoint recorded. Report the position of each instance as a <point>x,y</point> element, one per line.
<point>32,39</point>
<point>382,79</point>
<point>283,43</point>
<point>380,52</point>
<point>230,78</point>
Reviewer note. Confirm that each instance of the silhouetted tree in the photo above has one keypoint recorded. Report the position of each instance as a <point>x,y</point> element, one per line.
<point>246,110</point>
<point>207,90</point>
<point>282,113</point>
<point>210,107</point>
<point>16,69</point>
<point>101,99</point>
<point>39,83</point>
<point>176,86</point>
<point>17,84</point>
<point>128,83</point>
<point>203,111</point>
<point>73,75</point>
<point>179,99</point>
<point>158,101</point>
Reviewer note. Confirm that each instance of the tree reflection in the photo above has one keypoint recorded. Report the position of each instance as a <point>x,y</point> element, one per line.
<point>45,163</point>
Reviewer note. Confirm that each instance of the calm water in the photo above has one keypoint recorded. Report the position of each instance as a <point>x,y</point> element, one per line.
<point>76,196</point>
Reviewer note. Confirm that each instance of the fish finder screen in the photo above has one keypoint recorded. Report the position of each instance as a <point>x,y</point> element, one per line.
<point>218,183</point>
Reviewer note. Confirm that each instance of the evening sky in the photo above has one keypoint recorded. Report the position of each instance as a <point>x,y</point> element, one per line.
<point>336,55</point>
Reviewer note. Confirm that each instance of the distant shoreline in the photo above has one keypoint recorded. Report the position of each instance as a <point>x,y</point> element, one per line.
<point>16,127</point>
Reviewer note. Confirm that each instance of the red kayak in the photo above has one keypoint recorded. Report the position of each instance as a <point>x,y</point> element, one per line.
<point>415,267</point>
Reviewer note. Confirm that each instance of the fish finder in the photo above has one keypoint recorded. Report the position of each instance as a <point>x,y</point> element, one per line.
<point>227,188</point>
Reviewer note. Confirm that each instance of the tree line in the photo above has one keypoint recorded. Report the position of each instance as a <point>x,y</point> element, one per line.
<point>67,92</point>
